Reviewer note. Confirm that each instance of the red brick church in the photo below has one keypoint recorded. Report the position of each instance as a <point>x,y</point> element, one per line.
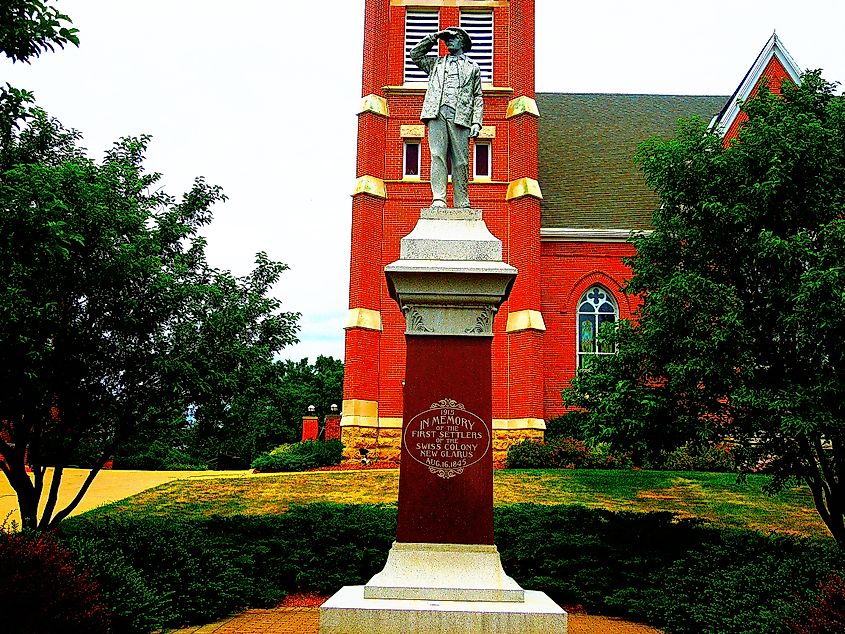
<point>554,176</point>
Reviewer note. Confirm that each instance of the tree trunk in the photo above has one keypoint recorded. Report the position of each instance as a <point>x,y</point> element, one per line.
<point>823,482</point>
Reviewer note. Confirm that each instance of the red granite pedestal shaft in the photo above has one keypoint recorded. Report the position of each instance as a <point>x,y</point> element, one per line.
<point>446,477</point>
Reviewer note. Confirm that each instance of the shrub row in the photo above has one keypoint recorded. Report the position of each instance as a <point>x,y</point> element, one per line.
<point>563,453</point>
<point>690,457</point>
<point>157,572</point>
<point>700,456</point>
<point>300,456</point>
<point>676,574</point>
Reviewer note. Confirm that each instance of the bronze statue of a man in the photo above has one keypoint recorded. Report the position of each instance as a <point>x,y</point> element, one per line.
<point>452,110</point>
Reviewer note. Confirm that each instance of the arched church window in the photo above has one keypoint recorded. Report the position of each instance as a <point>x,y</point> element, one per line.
<point>597,307</point>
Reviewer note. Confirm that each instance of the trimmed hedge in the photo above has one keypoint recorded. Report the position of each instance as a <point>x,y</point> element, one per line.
<point>157,572</point>
<point>676,574</point>
<point>300,456</point>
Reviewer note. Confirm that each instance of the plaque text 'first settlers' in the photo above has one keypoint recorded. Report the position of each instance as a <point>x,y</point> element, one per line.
<point>446,438</point>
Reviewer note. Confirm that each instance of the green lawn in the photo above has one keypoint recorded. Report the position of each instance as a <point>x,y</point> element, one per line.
<point>715,497</point>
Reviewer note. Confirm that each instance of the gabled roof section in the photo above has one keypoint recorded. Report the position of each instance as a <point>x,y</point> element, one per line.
<point>586,148</point>
<point>774,64</point>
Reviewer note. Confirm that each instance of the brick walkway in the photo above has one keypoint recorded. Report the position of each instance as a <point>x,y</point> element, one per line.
<point>307,621</point>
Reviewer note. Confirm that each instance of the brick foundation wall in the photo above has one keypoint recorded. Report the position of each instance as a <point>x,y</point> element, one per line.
<point>384,444</point>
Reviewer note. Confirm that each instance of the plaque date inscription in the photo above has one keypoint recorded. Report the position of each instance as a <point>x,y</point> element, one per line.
<point>447,438</point>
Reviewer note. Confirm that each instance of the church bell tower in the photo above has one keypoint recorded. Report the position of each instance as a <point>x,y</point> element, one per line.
<point>392,185</point>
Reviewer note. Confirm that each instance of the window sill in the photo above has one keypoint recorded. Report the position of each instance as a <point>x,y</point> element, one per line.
<point>449,3</point>
<point>415,88</point>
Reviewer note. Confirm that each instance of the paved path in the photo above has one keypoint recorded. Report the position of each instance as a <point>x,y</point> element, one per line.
<point>109,486</point>
<point>307,621</point>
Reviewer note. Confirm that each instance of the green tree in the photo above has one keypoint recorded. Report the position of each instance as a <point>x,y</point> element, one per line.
<point>739,335</point>
<point>112,319</point>
<point>302,384</point>
<point>31,27</point>
<point>267,412</point>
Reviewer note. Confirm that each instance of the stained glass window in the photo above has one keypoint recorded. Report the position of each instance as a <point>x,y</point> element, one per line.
<point>596,308</point>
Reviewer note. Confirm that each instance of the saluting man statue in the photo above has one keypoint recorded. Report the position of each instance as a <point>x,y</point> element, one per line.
<point>452,110</point>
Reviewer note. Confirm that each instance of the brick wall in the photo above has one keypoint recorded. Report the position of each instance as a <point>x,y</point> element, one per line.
<point>568,270</point>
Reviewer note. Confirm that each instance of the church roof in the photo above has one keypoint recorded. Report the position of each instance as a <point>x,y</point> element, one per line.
<point>586,148</point>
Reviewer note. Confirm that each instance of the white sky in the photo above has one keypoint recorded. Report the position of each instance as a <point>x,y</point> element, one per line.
<point>260,96</point>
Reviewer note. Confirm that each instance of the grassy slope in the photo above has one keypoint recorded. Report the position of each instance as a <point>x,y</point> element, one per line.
<point>715,497</point>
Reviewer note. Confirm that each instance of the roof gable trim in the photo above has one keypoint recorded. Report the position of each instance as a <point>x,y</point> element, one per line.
<point>774,48</point>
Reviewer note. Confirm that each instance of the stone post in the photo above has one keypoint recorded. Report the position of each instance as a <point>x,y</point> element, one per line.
<point>310,428</point>
<point>443,573</point>
<point>332,427</point>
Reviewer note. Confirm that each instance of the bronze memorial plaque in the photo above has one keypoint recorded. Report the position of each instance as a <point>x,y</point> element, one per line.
<point>446,438</point>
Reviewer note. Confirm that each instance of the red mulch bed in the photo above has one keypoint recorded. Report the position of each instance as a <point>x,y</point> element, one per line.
<point>355,466</point>
<point>303,600</point>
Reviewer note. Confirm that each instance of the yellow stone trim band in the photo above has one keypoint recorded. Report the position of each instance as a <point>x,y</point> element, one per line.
<point>374,103</point>
<point>487,132</point>
<point>525,320</point>
<point>519,423</point>
<point>370,185</point>
<point>412,131</point>
<point>523,187</point>
<point>363,318</point>
<point>371,422</point>
<point>359,407</point>
<point>522,105</point>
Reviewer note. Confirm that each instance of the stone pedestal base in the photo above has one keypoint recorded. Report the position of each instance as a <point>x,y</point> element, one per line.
<point>441,588</point>
<point>348,612</point>
<point>443,572</point>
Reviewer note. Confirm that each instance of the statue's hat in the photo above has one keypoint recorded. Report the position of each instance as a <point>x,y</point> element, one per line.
<point>467,39</point>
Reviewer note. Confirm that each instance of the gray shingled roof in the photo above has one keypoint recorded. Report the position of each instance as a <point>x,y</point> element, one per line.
<point>587,142</point>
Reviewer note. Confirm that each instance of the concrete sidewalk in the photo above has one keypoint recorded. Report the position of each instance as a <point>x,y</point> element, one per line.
<point>307,621</point>
<point>109,486</point>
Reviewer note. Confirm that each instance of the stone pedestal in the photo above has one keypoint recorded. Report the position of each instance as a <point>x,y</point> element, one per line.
<point>443,573</point>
